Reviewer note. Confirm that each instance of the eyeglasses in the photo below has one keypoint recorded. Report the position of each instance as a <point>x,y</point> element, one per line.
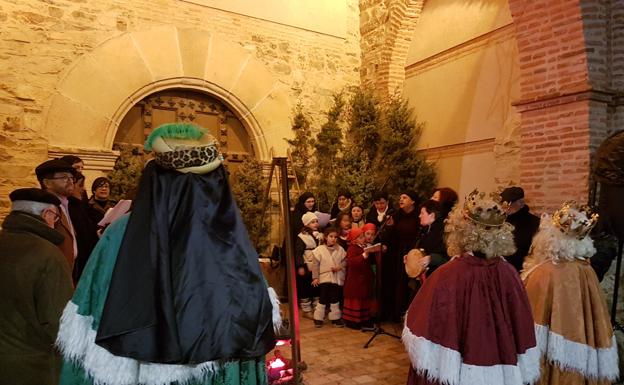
<point>65,178</point>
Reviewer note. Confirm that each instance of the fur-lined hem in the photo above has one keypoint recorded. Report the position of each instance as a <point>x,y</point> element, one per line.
<point>594,363</point>
<point>277,315</point>
<point>76,342</point>
<point>444,365</point>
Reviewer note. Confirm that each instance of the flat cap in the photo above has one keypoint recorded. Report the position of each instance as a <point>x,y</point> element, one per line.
<point>51,166</point>
<point>34,195</point>
<point>512,194</point>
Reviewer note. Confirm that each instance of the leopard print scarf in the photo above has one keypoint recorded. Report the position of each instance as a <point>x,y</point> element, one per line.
<point>190,157</point>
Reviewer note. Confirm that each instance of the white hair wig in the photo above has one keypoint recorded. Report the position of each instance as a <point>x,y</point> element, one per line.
<point>550,243</point>
<point>462,234</point>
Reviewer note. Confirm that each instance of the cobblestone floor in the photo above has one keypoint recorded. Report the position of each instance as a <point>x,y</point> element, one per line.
<point>336,356</point>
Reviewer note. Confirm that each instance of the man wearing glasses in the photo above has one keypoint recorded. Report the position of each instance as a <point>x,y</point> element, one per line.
<point>35,285</point>
<point>58,177</point>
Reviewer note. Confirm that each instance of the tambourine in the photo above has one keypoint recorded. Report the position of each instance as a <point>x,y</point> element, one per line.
<point>413,263</point>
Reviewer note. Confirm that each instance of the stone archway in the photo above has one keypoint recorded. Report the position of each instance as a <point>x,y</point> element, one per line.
<point>99,89</point>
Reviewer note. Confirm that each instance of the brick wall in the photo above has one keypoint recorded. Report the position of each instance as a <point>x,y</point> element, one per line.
<point>567,103</point>
<point>386,29</point>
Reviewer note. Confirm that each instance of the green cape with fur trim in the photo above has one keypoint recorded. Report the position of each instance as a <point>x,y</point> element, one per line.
<point>85,363</point>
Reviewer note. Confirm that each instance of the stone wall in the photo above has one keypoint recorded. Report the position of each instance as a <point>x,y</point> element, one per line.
<point>42,41</point>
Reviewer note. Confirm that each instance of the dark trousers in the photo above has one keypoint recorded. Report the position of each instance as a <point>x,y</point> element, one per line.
<point>304,285</point>
<point>330,293</point>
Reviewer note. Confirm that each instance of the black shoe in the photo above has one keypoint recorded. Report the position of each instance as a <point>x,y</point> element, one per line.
<point>352,325</point>
<point>318,324</point>
<point>338,323</point>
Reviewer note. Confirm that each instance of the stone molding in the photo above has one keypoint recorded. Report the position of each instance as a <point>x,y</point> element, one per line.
<point>459,149</point>
<point>611,98</point>
<point>468,47</point>
<point>93,159</point>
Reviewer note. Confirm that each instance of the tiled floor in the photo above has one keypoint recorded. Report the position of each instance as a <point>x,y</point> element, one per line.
<point>336,356</point>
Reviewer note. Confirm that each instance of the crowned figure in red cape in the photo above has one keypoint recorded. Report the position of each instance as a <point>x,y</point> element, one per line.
<point>471,322</point>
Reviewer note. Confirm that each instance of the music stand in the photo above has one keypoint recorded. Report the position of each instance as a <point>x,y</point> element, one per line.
<point>377,331</point>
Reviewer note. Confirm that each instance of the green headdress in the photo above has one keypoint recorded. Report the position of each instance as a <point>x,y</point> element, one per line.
<point>184,147</point>
<point>174,130</point>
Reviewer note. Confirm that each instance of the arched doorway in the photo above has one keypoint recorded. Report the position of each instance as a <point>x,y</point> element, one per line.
<point>187,106</point>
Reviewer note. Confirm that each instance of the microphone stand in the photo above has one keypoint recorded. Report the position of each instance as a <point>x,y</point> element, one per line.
<point>377,329</point>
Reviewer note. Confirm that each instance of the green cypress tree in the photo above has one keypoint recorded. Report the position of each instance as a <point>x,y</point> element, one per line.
<point>399,166</point>
<point>248,187</point>
<point>301,145</point>
<point>125,176</point>
<point>328,148</point>
<point>356,173</point>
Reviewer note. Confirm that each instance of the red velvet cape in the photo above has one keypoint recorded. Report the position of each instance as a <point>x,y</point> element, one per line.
<point>471,323</point>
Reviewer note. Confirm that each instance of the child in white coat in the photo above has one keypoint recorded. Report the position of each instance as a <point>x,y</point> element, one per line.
<point>328,273</point>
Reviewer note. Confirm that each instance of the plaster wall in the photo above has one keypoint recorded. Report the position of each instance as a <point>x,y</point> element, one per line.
<point>461,79</point>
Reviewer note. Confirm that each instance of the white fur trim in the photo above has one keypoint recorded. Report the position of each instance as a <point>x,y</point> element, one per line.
<point>594,363</point>
<point>445,365</point>
<point>277,315</point>
<point>76,341</point>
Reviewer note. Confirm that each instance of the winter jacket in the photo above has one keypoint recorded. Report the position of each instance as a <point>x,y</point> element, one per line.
<point>525,226</point>
<point>35,285</point>
<point>324,259</point>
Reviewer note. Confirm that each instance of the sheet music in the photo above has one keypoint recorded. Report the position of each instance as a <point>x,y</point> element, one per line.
<point>113,213</point>
<point>373,248</point>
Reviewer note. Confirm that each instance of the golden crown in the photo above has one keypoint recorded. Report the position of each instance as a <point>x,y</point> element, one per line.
<point>575,221</point>
<point>484,209</point>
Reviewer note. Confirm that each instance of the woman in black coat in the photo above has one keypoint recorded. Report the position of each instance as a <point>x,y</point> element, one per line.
<point>431,237</point>
<point>400,235</point>
<point>85,229</point>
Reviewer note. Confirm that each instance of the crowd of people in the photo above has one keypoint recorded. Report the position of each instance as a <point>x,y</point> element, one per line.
<point>368,284</point>
<point>173,293</point>
<point>500,296</point>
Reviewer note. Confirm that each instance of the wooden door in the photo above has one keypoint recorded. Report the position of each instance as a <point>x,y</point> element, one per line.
<point>189,107</point>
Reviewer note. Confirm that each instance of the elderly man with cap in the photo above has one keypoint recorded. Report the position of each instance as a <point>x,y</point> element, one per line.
<point>525,224</point>
<point>58,177</point>
<point>35,285</point>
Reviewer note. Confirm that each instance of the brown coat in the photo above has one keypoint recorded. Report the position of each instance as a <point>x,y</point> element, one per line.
<point>572,324</point>
<point>35,285</point>
<point>67,245</point>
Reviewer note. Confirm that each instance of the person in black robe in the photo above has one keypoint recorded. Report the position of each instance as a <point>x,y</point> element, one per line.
<point>187,278</point>
<point>447,197</point>
<point>380,209</point>
<point>343,204</point>
<point>525,224</point>
<point>85,229</point>
<point>305,203</point>
<point>400,235</point>
<point>431,237</point>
